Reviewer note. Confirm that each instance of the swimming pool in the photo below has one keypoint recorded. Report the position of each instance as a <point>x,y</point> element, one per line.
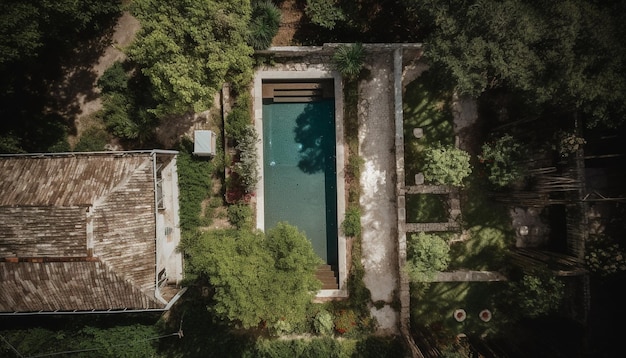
<point>299,170</point>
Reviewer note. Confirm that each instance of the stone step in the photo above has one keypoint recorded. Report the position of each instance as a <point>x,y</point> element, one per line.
<point>328,277</point>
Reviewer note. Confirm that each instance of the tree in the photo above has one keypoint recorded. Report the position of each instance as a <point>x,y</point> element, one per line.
<point>535,295</point>
<point>259,279</point>
<point>324,13</point>
<point>427,255</point>
<point>188,49</point>
<point>566,53</point>
<point>446,165</point>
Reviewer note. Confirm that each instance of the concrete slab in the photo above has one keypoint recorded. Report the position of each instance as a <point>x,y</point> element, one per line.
<point>378,201</point>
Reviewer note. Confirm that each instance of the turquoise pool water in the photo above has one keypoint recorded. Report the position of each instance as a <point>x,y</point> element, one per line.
<point>299,171</point>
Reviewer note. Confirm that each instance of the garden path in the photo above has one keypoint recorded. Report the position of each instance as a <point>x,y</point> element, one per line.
<point>379,213</point>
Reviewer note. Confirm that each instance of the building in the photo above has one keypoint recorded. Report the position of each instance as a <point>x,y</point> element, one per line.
<point>89,232</point>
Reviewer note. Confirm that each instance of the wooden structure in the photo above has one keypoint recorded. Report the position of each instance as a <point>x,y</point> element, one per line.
<point>89,232</point>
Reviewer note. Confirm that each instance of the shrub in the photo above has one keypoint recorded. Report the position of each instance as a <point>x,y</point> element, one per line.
<point>345,321</point>
<point>348,59</point>
<point>238,119</point>
<point>240,216</point>
<point>446,165</point>
<point>501,158</point>
<point>351,225</point>
<point>92,140</point>
<point>535,295</point>
<point>427,255</point>
<point>323,323</point>
<point>604,257</point>
<point>114,79</point>
<point>324,13</point>
<point>264,24</point>
<point>247,167</point>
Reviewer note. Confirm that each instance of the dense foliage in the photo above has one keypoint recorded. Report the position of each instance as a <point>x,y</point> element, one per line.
<point>264,24</point>
<point>348,59</point>
<point>534,295</point>
<point>38,41</point>
<point>502,159</point>
<point>446,165</point>
<point>427,254</point>
<point>568,53</point>
<point>324,13</point>
<point>259,279</point>
<point>188,49</point>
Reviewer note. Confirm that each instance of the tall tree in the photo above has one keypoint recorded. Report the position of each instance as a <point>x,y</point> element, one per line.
<point>189,48</point>
<point>258,279</point>
<point>568,53</point>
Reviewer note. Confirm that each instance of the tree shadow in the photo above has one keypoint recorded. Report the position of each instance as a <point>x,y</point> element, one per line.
<point>315,135</point>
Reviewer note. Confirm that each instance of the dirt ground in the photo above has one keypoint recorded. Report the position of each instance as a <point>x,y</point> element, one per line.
<point>292,13</point>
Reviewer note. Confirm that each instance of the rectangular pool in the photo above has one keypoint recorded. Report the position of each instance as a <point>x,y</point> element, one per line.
<point>299,170</point>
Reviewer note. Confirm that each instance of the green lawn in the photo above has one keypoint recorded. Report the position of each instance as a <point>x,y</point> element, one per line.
<point>485,222</point>
<point>423,208</point>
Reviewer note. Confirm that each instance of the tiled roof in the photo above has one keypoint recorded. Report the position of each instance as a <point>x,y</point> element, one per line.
<point>83,229</point>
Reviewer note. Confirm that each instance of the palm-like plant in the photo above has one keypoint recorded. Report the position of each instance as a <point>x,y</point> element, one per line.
<point>264,24</point>
<point>348,59</point>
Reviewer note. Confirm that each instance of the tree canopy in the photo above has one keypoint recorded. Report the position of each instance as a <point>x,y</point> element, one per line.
<point>568,53</point>
<point>188,49</point>
<point>258,278</point>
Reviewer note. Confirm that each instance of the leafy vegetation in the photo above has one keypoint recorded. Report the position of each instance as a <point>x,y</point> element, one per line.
<point>502,159</point>
<point>188,49</point>
<point>260,280</point>
<point>427,254</point>
<point>194,183</point>
<point>351,225</point>
<point>446,165</point>
<point>264,24</point>
<point>348,59</point>
<point>324,13</point>
<point>566,53</point>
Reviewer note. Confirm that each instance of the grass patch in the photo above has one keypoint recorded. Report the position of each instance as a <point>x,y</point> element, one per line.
<point>432,307</point>
<point>424,208</point>
<point>489,228</point>
<point>425,106</point>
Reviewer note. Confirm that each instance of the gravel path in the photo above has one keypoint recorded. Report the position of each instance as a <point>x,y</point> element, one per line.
<point>379,214</point>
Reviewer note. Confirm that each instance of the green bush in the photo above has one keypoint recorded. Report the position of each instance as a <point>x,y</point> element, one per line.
<point>446,165</point>
<point>264,25</point>
<point>247,166</point>
<point>259,279</point>
<point>324,13</point>
<point>535,295</point>
<point>501,158</point>
<point>348,59</point>
<point>238,119</point>
<point>240,216</point>
<point>114,79</point>
<point>323,323</point>
<point>92,140</point>
<point>427,255</point>
<point>351,225</point>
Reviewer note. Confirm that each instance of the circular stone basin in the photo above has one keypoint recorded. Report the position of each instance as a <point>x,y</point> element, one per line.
<point>485,315</point>
<point>460,315</point>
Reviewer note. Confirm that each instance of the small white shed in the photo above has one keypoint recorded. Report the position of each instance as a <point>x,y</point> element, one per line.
<point>204,143</point>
